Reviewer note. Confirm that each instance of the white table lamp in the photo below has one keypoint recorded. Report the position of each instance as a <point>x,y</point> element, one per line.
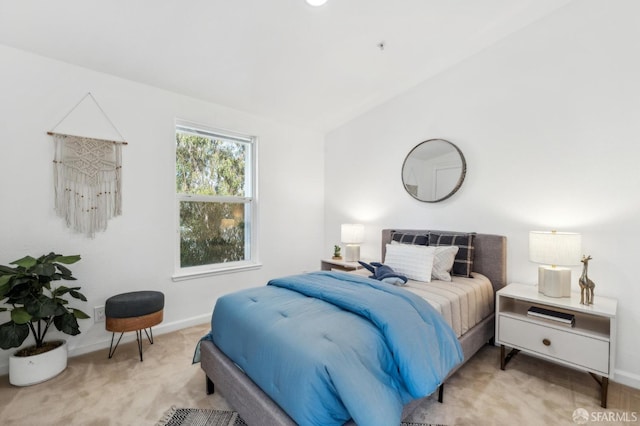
<point>352,235</point>
<point>553,249</point>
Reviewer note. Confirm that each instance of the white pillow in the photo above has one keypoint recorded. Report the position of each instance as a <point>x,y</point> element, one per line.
<point>413,261</point>
<point>443,262</point>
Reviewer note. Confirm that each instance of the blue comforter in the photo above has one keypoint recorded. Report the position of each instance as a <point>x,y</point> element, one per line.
<point>330,346</point>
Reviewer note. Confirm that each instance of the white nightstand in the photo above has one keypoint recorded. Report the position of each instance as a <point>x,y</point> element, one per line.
<point>589,345</point>
<point>339,265</point>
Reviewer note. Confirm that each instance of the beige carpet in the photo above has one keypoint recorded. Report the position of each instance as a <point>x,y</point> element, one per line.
<point>124,391</point>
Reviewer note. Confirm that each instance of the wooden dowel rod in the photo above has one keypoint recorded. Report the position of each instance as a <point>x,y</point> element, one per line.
<point>62,134</point>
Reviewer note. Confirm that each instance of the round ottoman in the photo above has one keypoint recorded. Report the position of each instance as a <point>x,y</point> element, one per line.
<point>134,311</point>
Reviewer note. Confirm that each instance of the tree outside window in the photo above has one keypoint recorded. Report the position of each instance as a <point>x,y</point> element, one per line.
<point>214,187</point>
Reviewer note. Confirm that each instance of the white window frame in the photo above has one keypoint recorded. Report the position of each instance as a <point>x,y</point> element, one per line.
<point>251,199</point>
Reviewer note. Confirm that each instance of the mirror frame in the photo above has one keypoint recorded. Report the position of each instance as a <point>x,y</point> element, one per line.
<point>463,172</point>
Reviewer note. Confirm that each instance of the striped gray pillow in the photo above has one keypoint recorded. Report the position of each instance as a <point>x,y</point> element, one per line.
<point>443,260</point>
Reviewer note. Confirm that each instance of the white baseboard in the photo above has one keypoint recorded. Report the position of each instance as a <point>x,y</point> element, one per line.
<point>627,379</point>
<point>129,337</point>
<point>623,377</point>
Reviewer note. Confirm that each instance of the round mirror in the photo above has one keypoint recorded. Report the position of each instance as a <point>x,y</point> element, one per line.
<point>433,171</point>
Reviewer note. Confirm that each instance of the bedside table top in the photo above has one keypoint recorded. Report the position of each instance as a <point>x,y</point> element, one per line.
<point>603,306</point>
<point>343,263</point>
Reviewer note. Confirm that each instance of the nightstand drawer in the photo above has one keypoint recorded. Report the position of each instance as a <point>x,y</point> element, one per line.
<point>585,351</point>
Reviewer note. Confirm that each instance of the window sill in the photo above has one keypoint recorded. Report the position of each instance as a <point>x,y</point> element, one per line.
<point>183,276</point>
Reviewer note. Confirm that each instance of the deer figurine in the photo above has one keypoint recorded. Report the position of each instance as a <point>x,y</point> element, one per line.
<point>586,285</point>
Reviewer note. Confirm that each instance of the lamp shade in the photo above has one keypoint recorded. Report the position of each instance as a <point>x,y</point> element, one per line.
<point>352,233</point>
<point>555,248</point>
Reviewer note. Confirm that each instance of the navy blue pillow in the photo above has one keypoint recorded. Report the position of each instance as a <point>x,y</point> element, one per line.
<point>413,239</point>
<point>463,264</point>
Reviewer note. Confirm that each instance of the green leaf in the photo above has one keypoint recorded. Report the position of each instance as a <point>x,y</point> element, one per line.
<point>67,323</point>
<point>67,260</point>
<point>26,262</point>
<point>48,258</point>
<point>61,310</point>
<point>12,335</point>
<point>20,316</point>
<point>4,270</point>
<point>79,314</point>
<point>65,273</point>
<point>18,294</point>
<point>61,290</point>
<point>78,295</point>
<point>5,285</point>
<point>24,279</point>
<point>63,269</point>
<point>41,307</point>
<point>44,269</point>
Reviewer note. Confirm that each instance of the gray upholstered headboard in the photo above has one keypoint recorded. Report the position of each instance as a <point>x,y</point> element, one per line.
<point>490,257</point>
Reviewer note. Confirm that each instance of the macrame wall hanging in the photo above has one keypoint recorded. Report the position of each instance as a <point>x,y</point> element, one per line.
<point>87,176</point>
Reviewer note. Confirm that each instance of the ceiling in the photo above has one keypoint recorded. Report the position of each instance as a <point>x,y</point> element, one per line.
<point>280,59</point>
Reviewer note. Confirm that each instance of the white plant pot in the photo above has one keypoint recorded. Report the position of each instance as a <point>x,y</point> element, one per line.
<point>30,370</point>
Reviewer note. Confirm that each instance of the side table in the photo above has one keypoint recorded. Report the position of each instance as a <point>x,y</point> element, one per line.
<point>587,345</point>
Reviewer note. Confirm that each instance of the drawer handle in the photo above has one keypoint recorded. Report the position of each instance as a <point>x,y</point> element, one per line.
<point>546,342</point>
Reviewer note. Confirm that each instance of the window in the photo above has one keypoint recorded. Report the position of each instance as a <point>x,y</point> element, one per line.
<point>215,193</point>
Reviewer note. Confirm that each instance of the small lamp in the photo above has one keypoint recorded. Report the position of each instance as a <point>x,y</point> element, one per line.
<point>552,249</point>
<point>352,235</point>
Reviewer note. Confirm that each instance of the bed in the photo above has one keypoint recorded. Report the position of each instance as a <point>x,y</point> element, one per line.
<point>474,327</point>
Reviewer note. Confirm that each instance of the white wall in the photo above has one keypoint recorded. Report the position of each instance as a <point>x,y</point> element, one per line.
<point>549,123</point>
<point>137,250</point>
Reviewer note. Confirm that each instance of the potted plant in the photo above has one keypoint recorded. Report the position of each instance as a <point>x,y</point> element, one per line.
<point>336,253</point>
<point>35,305</point>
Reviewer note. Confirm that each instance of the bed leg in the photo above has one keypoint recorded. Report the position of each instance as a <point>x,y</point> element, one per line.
<point>441,393</point>
<point>209,386</point>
